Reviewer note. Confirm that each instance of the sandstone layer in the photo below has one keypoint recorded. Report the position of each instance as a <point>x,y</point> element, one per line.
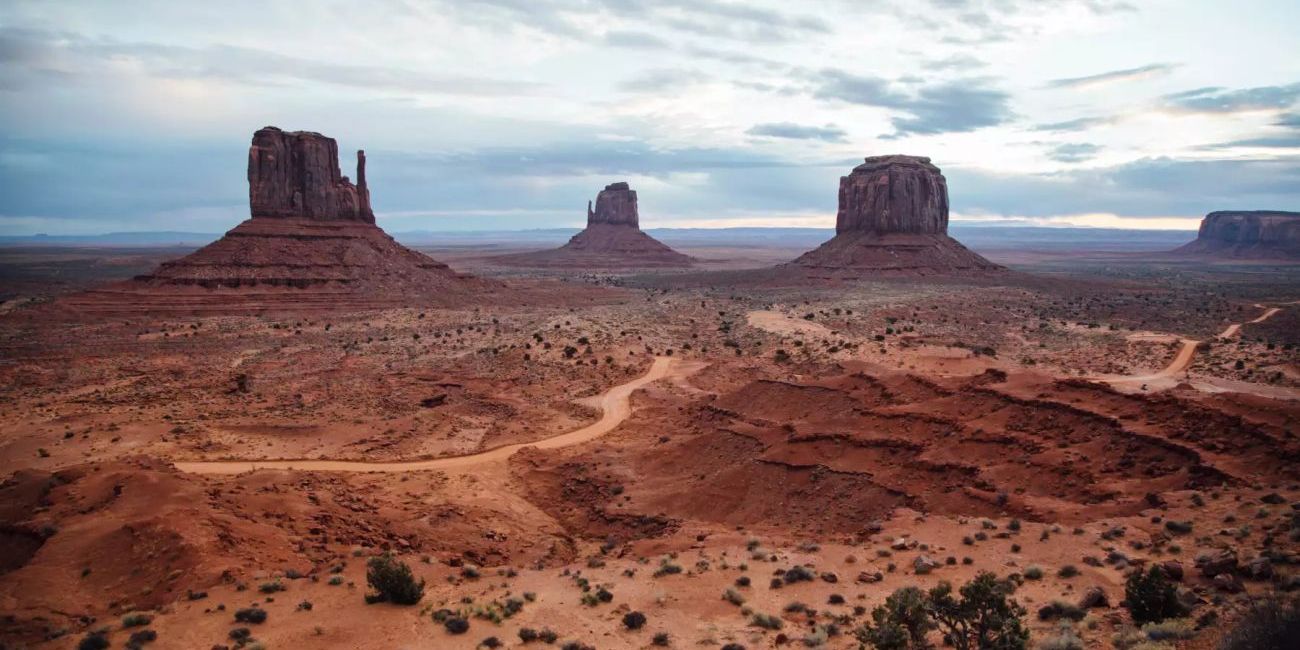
<point>893,218</point>
<point>310,243</point>
<point>1258,234</point>
<point>612,239</point>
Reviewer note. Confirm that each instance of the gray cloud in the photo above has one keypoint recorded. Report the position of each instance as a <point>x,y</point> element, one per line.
<point>1216,99</point>
<point>663,79</point>
<point>828,133</point>
<point>954,62</point>
<point>1077,124</point>
<point>635,39</point>
<point>29,56</point>
<point>1130,74</point>
<point>1071,152</point>
<point>1289,120</point>
<point>949,107</point>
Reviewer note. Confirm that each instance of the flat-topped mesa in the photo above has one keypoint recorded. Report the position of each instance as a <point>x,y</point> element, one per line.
<point>615,205</point>
<point>295,175</point>
<point>888,194</point>
<point>1258,234</point>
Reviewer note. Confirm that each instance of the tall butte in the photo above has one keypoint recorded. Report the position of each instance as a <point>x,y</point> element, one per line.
<point>310,243</point>
<point>612,239</point>
<point>893,219</point>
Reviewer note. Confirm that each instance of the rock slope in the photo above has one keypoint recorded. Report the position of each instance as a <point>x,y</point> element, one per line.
<point>893,218</point>
<point>612,239</point>
<point>1258,234</point>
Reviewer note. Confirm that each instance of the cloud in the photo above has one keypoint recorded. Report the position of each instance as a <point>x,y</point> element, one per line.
<point>1288,120</point>
<point>948,107</point>
<point>635,39</point>
<point>1077,124</point>
<point>663,79</point>
<point>1131,74</point>
<point>32,56</point>
<point>1072,152</point>
<point>1216,99</point>
<point>828,133</point>
<point>954,62</point>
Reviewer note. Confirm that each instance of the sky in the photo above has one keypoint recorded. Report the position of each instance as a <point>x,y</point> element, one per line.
<point>512,114</point>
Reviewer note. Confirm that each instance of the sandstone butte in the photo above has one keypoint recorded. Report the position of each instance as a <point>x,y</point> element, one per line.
<point>310,242</point>
<point>893,219</point>
<point>1257,234</point>
<point>612,239</point>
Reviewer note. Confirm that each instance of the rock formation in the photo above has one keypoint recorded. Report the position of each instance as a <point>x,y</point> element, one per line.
<point>310,243</point>
<point>1258,234</point>
<point>893,218</point>
<point>612,239</point>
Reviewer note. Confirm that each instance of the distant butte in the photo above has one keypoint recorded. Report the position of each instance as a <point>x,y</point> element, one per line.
<point>1256,234</point>
<point>893,218</point>
<point>310,243</point>
<point>612,239</point>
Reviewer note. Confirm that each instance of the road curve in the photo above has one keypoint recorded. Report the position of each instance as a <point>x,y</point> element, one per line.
<point>1185,354</point>
<point>615,404</point>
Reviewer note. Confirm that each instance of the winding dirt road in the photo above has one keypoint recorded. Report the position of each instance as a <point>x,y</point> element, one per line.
<point>1185,354</point>
<point>615,404</point>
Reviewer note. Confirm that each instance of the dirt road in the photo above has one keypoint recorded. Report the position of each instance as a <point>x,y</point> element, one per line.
<point>615,404</point>
<point>1188,350</point>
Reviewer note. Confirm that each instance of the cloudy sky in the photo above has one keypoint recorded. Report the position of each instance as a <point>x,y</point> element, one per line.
<point>505,114</point>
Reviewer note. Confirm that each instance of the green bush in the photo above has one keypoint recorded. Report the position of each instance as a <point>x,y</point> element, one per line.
<point>983,619</point>
<point>136,620</point>
<point>1150,597</point>
<point>392,581</point>
<point>1270,624</point>
<point>899,624</point>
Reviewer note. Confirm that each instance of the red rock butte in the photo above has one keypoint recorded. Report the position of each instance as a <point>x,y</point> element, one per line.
<point>612,239</point>
<point>311,243</point>
<point>893,218</point>
<point>1256,234</point>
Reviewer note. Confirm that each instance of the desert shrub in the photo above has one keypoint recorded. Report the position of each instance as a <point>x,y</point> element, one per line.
<point>456,625</point>
<point>490,642</point>
<point>250,615</point>
<point>983,618</point>
<point>733,597</point>
<point>392,581</point>
<point>136,620</point>
<point>547,636</point>
<point>271,587</point>
<point>766,621</point>
<point>1060,609</point>
<point>1151,597</point>
<point>1067,571</point>
<point>1270,624</point>
<point>140,638</point>
<point>1170,630</point>
<point>660,639</point>
<point>901,623</point>
<point>633,620</point>
<point>97,640</point>
<point>798,573</point>
<point>527,634</point>
<point>1066,639</point>
<point>667,569</point>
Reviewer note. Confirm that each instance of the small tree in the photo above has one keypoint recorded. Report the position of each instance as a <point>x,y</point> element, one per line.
<point>983,619</point>
<point>1150,597</point>
<point>392,581</point>
<point>899,624</point>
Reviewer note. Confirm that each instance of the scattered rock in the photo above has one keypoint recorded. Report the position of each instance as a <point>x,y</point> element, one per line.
<point>1213,563</point>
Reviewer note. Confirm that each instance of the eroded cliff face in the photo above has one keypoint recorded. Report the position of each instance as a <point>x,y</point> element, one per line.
<point>295,174</point>
<point>615,206</point>
<point>893,194</point>
<point>1257,234</point>
<point>893,218</point>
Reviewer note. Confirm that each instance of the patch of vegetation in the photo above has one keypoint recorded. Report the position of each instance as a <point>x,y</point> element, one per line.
<point>392,581</point>
<point>1151,597</point>
<point>1270,624</point>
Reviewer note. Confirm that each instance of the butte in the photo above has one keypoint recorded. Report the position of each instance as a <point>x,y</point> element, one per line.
<point>311,243</point>
<point>893,220</point>
<point>612,239</point>
<point>1258,234</point>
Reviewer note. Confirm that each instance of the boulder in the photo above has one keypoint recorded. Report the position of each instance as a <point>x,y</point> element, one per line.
<point>1213,563</point>
<point>923,565</point>
<point>1172,569</point>
<point>1094,597</point>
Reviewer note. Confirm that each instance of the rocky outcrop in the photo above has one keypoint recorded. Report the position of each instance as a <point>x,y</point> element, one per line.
<point>310,244</point>
<point>889,194</point>
<point>893,218</point>
<point>615,205</point>
<point>295,174</point>
<point>1259,234</point>
<point>613,239</point>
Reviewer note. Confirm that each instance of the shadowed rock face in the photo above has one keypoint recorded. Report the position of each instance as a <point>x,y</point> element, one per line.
<point>615,205</point>
<point>893,218</point>
<point>893,194</point>
<point>1246,233</point>
<point>295,174</point>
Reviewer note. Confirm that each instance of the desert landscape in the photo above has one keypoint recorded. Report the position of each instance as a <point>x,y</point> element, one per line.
<point>692,324</point>
<point>224,452</point>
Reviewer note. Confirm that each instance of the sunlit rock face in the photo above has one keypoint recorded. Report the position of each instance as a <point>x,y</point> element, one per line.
<point>894,194</point>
